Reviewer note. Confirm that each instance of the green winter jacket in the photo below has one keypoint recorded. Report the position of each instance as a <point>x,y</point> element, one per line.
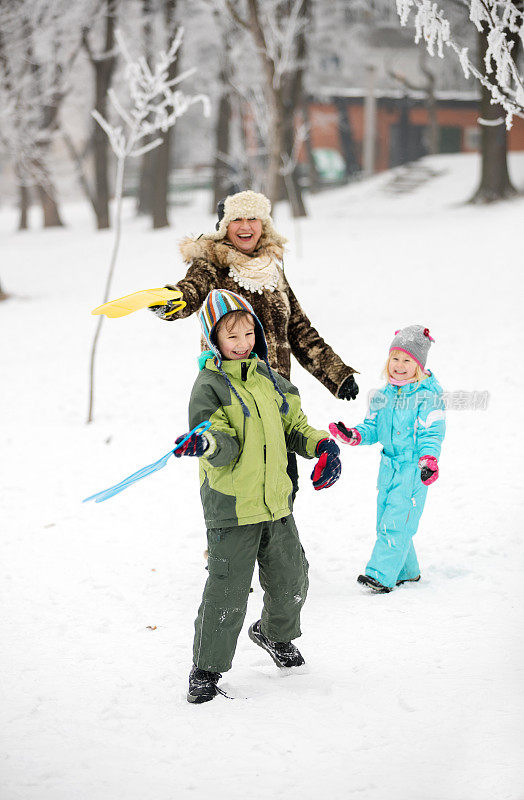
<point>243,477</point>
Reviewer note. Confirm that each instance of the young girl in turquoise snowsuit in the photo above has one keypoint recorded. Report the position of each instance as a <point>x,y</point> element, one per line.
<point>407,417</point>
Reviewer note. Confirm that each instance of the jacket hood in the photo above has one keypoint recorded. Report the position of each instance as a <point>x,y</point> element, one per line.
<point>217,304</point>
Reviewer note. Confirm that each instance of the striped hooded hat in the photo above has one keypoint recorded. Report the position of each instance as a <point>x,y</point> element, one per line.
<point>217,304</point>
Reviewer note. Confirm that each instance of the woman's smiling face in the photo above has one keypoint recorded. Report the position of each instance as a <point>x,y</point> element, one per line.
<point>244,234</point>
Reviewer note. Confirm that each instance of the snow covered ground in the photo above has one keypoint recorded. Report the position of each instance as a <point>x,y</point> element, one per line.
<point>416,695</point>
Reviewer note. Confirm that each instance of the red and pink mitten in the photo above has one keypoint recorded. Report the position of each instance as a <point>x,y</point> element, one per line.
<point>428,469</point>
<point>347,435</point>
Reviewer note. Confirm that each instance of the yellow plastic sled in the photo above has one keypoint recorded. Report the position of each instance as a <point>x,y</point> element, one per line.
<point>134,302</point>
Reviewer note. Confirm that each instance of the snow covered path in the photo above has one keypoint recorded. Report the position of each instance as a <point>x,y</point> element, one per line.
<point>417,695</point>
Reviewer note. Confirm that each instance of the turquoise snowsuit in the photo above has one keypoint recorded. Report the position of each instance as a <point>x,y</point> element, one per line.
<point>409,422</point>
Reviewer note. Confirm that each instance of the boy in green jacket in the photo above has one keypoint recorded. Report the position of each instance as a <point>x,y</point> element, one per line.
<point>246,493</point>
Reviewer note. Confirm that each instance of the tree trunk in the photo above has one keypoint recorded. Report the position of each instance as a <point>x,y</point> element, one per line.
<point>293,101</point>
<point>275,146</point>
<point>314,178</point>
<point>119,186</point>
<point>46,195</point>
<point>275,108</point>
<point>44,185</point>
<point>146,186</point>
<point>433,138</point>
<point>434,129</point>
<point>24,200</point>
<point>239,111</point>
<point>77,160</point>
<point>291,182</point>
<point>100,149</point>
<point>221,170</point>
<point>495,183</point>
<point>223,184</point>
<point>3,295</point>
<point>405,139</point>
<point>228,178</point>
<point>163,152</point>
<point>103,67</point>
<point>346,137</point>
<point>161,190</point>
<point>147,166</point>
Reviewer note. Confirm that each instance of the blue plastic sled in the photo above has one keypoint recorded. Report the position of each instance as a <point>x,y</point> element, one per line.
<point>99,497</point>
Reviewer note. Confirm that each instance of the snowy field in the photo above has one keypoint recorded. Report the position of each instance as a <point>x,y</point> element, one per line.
<point>416,695</point>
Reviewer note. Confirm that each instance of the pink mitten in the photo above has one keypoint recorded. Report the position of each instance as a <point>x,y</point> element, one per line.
<point>347,435</point>
<point>428,469</point>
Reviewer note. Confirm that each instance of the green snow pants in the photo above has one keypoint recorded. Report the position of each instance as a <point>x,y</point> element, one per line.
<point>283,574</point>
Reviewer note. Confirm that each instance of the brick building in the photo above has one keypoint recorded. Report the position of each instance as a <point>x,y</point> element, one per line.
<point>337,127</point>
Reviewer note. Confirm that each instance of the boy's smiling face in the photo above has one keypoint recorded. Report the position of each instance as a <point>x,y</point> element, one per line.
<point>235,336</point>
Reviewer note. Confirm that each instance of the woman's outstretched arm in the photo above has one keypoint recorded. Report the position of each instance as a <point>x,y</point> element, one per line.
<point>312,352</point>
<point>200,279</point>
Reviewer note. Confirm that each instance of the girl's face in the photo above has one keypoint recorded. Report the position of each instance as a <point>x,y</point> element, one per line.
<point>237,342</point>
<point>244,234</point>
<point>401,366</point>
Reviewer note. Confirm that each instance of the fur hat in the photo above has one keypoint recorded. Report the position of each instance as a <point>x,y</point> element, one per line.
<point>415,341</point>
<point>217,304</point>
<point>249,205</point>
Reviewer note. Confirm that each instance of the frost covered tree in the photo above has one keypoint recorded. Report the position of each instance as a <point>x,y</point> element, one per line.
<point>278,31</point>
<point>163,154</point>
<point>224,168</point>
<point>499,25</point>
<point>159,30</point>
<point>147,167</point>
<point>151,108</point>
<point>39,44</point>
<point>502,24</point>
<point>103,61</point>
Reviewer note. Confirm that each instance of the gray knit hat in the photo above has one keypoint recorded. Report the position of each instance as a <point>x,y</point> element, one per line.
<point>415,341</point>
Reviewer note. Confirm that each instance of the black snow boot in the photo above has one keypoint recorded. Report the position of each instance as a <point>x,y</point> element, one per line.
<point>203,685</point>
<point>373,584</point>
<point>408,580</point>
<point>284,654</point>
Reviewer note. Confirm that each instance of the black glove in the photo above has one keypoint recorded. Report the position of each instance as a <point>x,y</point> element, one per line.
<point>196,445</point>
<point>160,311</point>
<point>349,389</point>
<point>328,466</point>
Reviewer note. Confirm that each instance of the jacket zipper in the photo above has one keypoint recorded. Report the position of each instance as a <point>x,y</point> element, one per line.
<point>258,412</point>
<point>392,434</point>
<point>243,375</point>
<point>256,406</point>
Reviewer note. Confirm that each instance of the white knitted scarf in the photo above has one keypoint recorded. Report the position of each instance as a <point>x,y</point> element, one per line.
<point>254,274</point>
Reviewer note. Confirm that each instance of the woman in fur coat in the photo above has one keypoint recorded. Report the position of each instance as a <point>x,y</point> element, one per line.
<point>245,255</point>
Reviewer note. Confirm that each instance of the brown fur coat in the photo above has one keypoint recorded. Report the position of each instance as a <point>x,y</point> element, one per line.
<point>287,328</point>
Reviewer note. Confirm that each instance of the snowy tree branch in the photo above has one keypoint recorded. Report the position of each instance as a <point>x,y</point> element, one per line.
<point>153,106</point>
<point>499,19</point>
